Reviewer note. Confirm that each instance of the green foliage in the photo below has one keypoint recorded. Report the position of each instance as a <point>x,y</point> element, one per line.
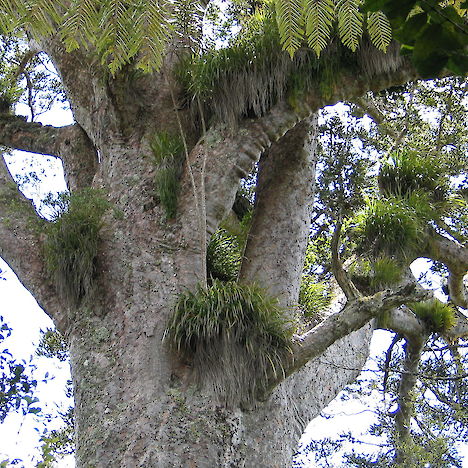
<point>124,32</point>
<point>438,426</point>
<point>223,256</point>
<point>235,336</point>
<point>432,32</point>
<point>312,21</point>
<point>314,297</point>
<point>436,314</point>
<point>290,24</point>
<point>58,442</point>
<point>71,245</point>
<point>53,344</point>
<point>406,172</point>
<point>379,29</point>
<point>388,226</point>
<point>10,92</point>
<point>226,245</point>
<point>121,32</point>
<point>168,154</point>
<point>320,16</point>
<point>350,23</point>
<point>16,383</point>
<point>385,272</point>
<point>245,77</point>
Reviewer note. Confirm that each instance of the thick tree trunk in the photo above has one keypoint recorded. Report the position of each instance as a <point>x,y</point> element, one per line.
<point>135,402</point>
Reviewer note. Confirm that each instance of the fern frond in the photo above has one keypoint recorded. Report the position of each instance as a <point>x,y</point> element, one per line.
<point>379,29</point>
<point>42,15</point>
<point>349,23</point>
<point>154,27</point>
<point>113,34</point>
<point>39,16</point>
<point>290,24</point>
<point>80,24</point>
<point>188,15</point>
<point>8,16</point>
<point>320,15</point>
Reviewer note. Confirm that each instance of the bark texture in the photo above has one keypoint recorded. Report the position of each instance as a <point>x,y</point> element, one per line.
<point>136,404</point>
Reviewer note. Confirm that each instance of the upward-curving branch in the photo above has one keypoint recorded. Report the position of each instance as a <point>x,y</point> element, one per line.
<point>69,143</point>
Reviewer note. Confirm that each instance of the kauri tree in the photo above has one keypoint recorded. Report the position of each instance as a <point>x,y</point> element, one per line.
<point>178,357</point>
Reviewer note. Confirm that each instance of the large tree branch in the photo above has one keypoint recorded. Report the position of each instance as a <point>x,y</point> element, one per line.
<point>368,106</point>
<point>354,315</point>
<point>17,133</point>
<point>69,143</point>
<point>413,349</point>
<point>231,156</point>
<point>20,245</point>
<point>455,257</point>
<point>277,241</point>
<point>342,278</point>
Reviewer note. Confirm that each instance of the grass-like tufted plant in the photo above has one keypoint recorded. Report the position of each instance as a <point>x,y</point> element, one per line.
<point>71,243</point>
<point>168,156</point>
<point>223,256</point>
<point>375,274</point>
<point>406,172</point>
<point>234,335</point>
<point>314,297</point>
<point>438,315</point>
<point>385,271</point>
<point>390,226</point>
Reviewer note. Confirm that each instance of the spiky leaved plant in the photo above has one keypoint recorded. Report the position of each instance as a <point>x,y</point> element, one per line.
<point>389,227</point>
<point>246,77</point>
<point>314,297</point>
<point>71,243</point>
<point>168,154</point>
<point>406,172</point>
<point>385,271</point>
<point>374,274</point>
<point>226,246</point>
<point>234,335</point>
<point>223,256</point>
<point>438,315</point>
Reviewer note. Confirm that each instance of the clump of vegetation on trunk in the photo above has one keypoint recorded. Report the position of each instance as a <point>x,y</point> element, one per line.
<point>226,246</point>
<point>223,256</point>
<point>438,316</point>
<point>406,172</point>
<point>168,153</point>
<point>376,274</point>
<point>71,244</point>
<point>314,298</point>
<point>235,336</point>
<point>388,226</point>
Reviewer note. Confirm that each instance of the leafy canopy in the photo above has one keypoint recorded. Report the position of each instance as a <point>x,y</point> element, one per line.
<point>139,31</point>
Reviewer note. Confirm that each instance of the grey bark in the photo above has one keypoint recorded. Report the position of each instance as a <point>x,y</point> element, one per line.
<point>135,402</point>
<point>278,237</point>
<point>413,349</point>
